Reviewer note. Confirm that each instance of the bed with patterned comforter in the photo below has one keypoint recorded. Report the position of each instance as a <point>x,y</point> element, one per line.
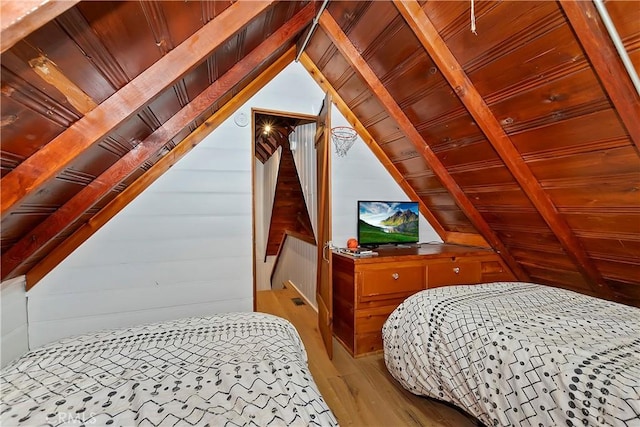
<point>519,354</point>
<point>239,369</point>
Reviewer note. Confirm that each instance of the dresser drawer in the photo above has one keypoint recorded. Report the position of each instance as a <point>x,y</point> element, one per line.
<point>371,320</point>
<point>387,282</point>
<point>453,273</point>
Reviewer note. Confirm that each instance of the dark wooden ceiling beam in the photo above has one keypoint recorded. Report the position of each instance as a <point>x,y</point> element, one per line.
<point>49,161</point>
<point>57,255</point>
<point>71,211</point>
<point>435,46</point>
<point>596,42</point>
<point>358,64</point>
<point>21,18</point>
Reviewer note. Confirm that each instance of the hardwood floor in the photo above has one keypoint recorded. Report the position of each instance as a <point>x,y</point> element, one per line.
<point>360,391</point>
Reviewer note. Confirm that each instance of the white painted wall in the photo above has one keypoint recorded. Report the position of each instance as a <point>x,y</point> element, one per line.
<point>360,176</point>
<point>184,246</point>
<point>304,156</point>
<point>297,267</point>
<point>266,176</point>
<point>13,315</point>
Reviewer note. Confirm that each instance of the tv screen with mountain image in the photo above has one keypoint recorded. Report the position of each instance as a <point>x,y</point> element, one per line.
<point>381,223</point>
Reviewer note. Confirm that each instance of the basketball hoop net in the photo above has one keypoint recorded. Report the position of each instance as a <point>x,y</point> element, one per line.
<point>343,138</point>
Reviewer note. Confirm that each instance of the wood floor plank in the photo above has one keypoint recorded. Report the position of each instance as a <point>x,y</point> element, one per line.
<point>360,392</point>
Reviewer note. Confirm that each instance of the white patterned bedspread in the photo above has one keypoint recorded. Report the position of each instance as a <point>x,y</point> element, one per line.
<point>519,354</point>
<point>239,369</point>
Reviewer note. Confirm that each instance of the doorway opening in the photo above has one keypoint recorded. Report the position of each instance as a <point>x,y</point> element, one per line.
<point>284,201</point>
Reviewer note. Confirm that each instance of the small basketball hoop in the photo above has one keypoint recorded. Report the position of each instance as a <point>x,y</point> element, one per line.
<point>343,138</point>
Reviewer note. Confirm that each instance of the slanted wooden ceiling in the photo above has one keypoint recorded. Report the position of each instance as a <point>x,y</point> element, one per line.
<point>524,137</point>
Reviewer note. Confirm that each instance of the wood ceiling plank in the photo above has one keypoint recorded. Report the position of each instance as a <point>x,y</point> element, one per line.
<point>353,57</point>
<point>57,255</point>
<point>468,94</point>
<point>373,145</point>
<point>596,42</point>
<point>71,211</point>
<point>95,125</point>
<point>21,18</point>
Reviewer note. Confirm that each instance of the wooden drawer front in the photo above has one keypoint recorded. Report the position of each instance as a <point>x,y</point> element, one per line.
<point>380,284</point>
<point>371,320</point>
<point>368,343</point>
<point>453,273</point>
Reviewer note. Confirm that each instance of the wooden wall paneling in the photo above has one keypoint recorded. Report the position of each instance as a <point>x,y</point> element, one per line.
<point>21,109</point>
<point>599,163</point>
<point>451,69</point>
<point>480,174</point>
<point>587,25</point>
<point>123,30</point>
<point>350,53</point>
<point>558,99</point>
<point>500,79</point>
<point>58,254</point>
<point>19,18</point>
<point>368,139</point>
<point>600,130</point>
<point>97,189</point>
<point>157,21</point>
<point>75,24</point>
<point>626,20</point>
<point>47,162</point>
<point>22,85</point>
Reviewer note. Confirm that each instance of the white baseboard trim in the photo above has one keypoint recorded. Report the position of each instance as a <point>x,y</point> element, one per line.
<point>290,283</point>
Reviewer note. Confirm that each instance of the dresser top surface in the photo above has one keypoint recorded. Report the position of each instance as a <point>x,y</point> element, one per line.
<point>419,251</point>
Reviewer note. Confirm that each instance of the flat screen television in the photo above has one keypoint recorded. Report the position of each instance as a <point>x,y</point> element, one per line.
<point>383,223</point>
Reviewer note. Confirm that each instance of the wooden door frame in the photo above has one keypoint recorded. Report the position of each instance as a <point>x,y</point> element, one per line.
<point>324,282</point>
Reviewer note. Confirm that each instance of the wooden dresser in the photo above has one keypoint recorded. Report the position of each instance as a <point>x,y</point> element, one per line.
<point>367,289</point>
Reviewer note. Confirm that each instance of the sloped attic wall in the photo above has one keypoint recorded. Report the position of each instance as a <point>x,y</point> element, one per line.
<point>183,247</point>
<point>526,133</point>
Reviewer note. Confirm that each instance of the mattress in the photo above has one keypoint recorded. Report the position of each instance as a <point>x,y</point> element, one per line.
<point>519,354</point>
<point>240,369</point>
